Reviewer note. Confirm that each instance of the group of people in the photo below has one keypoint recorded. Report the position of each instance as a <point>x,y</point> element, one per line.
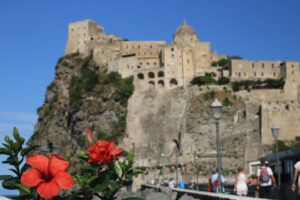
<point>265,181</point>
<point>265,178</point>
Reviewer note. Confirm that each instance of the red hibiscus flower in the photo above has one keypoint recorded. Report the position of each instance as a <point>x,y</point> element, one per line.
<point>89,135</point>
<point>48,174</point>
<point>104,151</point>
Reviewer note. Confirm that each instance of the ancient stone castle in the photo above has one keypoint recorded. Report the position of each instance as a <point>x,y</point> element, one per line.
<point>156,64</point>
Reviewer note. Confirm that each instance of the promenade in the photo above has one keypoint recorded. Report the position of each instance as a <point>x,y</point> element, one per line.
<point>177,193</point>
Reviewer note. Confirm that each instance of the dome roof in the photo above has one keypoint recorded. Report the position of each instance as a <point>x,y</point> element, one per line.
<point>185,29</point>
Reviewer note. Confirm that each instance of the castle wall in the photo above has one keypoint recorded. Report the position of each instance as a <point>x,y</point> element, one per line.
<point>201,53</point>
<point>285,114</point>
<point>259,96</point>
<point>149,49</point>
<point>244,69</point>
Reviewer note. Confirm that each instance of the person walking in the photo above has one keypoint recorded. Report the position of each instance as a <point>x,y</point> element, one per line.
<point>265,178</point>
<point>241,181</point>
<point>213,182</point>
<point>171,183</point>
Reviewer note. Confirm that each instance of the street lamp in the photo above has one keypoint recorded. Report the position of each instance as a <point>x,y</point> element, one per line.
<point>275,132</point>
<point>197,171</point>
<point>163,167</point>
<point>216,108</point>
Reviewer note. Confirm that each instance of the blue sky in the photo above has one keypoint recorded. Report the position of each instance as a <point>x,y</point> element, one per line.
<point>33,35</point>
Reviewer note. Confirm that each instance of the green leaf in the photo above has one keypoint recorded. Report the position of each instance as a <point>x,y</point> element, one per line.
<point>122,165</point>
<point>89,168</point>
<point>101,186</point>
<point>23,188</point>
<point>91,179</point>
<point>3,177</point>
<point>68,155</point>
<point>16,134</point>
<point>10,183</point>
<point>15,171</point>
<point>26,150</point>
<point>5,151</point>
<point>10,160</point>
<point>133,198</point>
<point>83,155</point>
<point>8,140</point>
<point>7,147</point>
<point>17,146</point>
<point>24,168</point>
<point>78,179</point>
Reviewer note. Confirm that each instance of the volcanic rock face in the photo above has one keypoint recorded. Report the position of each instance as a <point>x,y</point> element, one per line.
<point>156,118</point>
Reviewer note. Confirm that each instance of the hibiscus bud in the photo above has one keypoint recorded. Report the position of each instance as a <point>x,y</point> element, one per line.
<point>89,135</point>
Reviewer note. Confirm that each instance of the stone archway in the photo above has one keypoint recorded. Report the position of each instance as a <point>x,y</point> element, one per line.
<point>173,82</point>
<point>151,75</point>
<point>161,74</point>
<point>140,76</point>
<point>161,83</point>
<point>151,84</point>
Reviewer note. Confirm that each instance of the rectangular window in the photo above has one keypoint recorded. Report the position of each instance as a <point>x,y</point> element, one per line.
<point>272,65</point>
<point>252,65</point>
<point>254,74</point>
<point>263,65</point>
<point>188,61</point>
<point>239,74</point>
<point>292,66</point>
<point>274,74</point>
<point>139,46</point>
<point>292,72</point>
<point>154,64</point>
<point>150,46</point>
<point>132,47</point>
<point>262,74</point>
<point>244,73</point>
<point>172,55</point>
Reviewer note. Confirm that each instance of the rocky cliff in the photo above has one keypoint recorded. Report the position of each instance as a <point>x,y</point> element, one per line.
<point>156,118</point>
<point>83,96</point>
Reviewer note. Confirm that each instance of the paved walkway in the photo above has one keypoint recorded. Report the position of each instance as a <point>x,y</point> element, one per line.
<point>202,194</point>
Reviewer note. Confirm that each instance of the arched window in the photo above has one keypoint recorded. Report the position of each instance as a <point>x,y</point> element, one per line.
<point>151,75</point>
<point>173,82</point>
<point>161,83</point>
<point>140,76</point>
<point>151,84</point>
<point>161,74</point>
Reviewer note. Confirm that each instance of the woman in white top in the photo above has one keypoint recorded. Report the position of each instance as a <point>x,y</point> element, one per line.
<point>240,185</point>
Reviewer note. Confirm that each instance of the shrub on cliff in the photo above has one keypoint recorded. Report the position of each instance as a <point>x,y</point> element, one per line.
<point>223,81</point>
<point>203,80</point>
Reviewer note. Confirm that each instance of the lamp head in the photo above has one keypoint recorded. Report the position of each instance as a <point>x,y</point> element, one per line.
<point>275,131</point>
<point>216,108</point>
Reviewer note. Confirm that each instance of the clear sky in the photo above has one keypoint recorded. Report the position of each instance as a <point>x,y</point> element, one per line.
<point>33,35</point>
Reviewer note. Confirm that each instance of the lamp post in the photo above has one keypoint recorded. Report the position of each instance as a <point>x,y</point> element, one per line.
<point>217,113</point>
<point>163,167</point>
<point>197,171</point>
<point>275,132</point>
